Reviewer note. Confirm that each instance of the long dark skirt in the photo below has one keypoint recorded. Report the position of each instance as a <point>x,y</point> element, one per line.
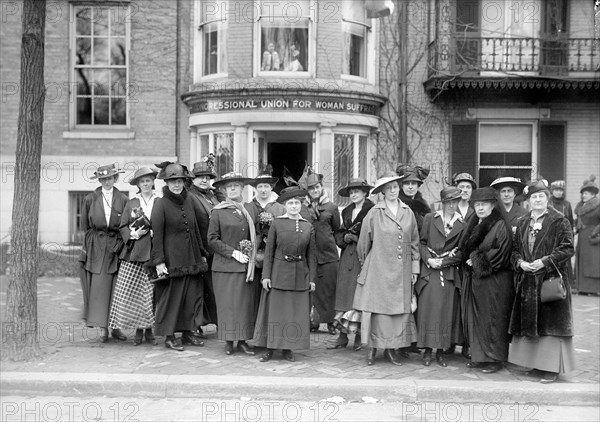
<point>435,313</point>
<point>324,295</point>
<point>209,314</point>
<point>283,320</point>
<point>176,303</point>
<point>235,305</point>
<point>132,298</point>
<point>546,353</point>
<point>97,291</point>
<point>348,270</point>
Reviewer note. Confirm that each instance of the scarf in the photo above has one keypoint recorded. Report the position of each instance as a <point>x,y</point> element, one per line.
<point>228,203</point>
<point>313,206</point>
<point>583,208</point>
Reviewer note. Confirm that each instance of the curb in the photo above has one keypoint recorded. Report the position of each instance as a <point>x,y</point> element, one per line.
<point>296,389</point>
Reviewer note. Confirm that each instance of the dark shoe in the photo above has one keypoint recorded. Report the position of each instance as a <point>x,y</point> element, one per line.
<point>331,328</point>
<point>200,334</point>
<point>229,348</point>
<point>491,368</point>
<point>357,343</point>
<point>549,378</point>
<point>465,352</point>
<point>427,357</point>
<point>390,354</point>
<point>439,357</point>
<point>289,356</point>
<point>117,334</point>
<point>314,328</point>
<point>104,339</point>
<point>189,339</point>
<point>450,350</point>
<point>267,356</point>
<point>139,337</point>
<point>242,346</point>
<point>472,364</point>
<point>414,349</point>
<point>340,342</point>
<point>150,337</point>
<point>371,356</point>
<point>403,352</point>
<point>172,343</point>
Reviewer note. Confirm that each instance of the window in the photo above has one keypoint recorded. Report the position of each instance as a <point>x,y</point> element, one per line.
<point>350,152</point>
<point>212,32</point>
<point>221,145</point>
<point>284,36</point>
<point>101,45</point>
<point>76,234</point>
<point>354,31</point>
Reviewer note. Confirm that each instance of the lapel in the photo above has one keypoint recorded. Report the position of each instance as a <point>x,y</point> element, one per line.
<point>548,221</point>
<point>115,217</point>
<point>524,238</point>
<point>438,223</point>
<point>98,209</point>
<point>457,229</point>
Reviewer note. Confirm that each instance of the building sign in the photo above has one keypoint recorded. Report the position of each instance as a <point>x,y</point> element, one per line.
<point>320,104</point>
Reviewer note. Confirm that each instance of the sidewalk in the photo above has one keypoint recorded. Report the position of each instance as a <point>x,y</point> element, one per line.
<point>75,363</point>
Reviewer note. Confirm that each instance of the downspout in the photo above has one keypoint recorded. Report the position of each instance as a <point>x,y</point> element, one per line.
<point>403,66</point>
<point>177,80</point>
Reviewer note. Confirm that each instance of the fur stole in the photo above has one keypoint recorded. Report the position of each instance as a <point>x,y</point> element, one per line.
<point>178,199</point>
<point>418,205</point>
<point>583,208</point>
<point>470,244</point>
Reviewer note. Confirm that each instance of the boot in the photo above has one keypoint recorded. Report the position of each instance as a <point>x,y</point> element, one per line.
<point>139,336</point>
<point>357,342</point>
<point>371,356</point>
<point>150,337</point>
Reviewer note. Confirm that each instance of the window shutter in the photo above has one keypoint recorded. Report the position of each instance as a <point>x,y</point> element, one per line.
<point>552,152</point>
<point>464,149</point>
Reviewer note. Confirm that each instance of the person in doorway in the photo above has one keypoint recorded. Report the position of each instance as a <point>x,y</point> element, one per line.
<point>325,217</point>
<point>100,220</point>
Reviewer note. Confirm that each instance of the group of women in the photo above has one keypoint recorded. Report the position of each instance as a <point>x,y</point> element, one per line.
<point>408,279</point>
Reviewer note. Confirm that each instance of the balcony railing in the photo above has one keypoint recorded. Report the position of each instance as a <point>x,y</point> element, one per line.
<point>461,54</point>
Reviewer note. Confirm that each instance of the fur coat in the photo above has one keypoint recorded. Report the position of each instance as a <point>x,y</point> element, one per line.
<point>418,205</point>
<point>554,246</point>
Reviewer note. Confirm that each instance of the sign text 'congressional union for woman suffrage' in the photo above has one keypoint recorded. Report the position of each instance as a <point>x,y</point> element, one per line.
<point>346,106</point>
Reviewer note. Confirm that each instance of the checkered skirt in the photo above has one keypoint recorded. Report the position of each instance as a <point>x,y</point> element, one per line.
<point>131,305</point>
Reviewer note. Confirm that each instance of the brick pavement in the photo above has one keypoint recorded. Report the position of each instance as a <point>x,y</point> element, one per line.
<point>69,346</point>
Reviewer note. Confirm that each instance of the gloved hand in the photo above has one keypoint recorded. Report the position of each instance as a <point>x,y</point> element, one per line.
<point>136,234</point>
<point>240,257</point>
<point>161,269</point>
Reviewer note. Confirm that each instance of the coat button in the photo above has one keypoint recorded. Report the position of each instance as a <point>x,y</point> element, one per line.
<point>399,256</point>
<point>187,230</point>
<point>400,237</point>
<point>185,222</point>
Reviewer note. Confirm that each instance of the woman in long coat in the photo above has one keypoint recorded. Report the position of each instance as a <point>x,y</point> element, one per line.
<point>230,228</point>
<point>132,302</point>
<point>100,219</point>
<point>412,179</point>
<point>289,273</point>
<point>325,216</point>
<point>346,318</point>
<point>178,254</point>
<point>388,248</point>
<point>542,333</point>
<point>488,289</point>
<point>588,245</point>
<point>439,281</point>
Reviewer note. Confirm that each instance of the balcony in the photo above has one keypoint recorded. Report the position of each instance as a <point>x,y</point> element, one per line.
<point>477,62</point>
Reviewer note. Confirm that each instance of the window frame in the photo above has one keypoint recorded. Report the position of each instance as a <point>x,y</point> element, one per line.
<point>356,162</point>
<point>123,9</point>
<point>311,56</point>
<point>370,47</point>
<point>198,57</point>
<point>201,151</point>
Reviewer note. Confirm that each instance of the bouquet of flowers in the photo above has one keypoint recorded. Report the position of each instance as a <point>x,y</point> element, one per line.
<point>537,226</point>
<point>246,247</point>
<point>265,218</point>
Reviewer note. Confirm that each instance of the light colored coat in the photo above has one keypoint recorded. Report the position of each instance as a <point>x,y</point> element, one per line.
<point>388,248</point>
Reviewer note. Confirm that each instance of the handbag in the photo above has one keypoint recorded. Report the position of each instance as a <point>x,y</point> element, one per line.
<point>553,288</point>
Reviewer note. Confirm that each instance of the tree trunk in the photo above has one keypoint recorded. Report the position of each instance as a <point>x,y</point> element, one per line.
<point>21,330</point>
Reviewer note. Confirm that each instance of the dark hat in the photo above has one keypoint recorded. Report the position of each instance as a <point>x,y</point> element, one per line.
<point>464,177</point>
<point>355,184</point>
<point>590,185</point>
<point>291,192</point>
<point>558,184</point>
<point>412,173</point>
<point>484,194</point>
<point>106,171</point>
<point>206,167</point>
<point>536,186</point>
<point>313,178</point>
<point>450,193</point>
<point>511,182</point>
<point>231,177</point>
<point>383,180</point>
<point>141,172</point>
<point>170,171</point>
<point>265,176</point>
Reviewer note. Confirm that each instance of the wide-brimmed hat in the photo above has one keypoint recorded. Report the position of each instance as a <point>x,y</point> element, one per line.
<point>106,171</point>
<point>558,184</point>
<point>291,192</point>
<point>383,180</point>
<point>206,167</point>
<point>313,178</point>
<point>484,195</point>
<point>355,184</point>
<point>590,185</point>
<point>464,177</point>
<point>536,186</point>
<point>265,176</point>
<point>170,171</point>
<point>231,177</point>
<point>141,172</point>
<point>511,182</point>
<point>412,173</point>
<point>450,193</point>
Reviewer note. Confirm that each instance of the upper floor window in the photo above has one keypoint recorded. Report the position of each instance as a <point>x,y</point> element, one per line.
<point>284,29</point>
<point>355,29</point>
<point>212,32</point>
<point>100,65</point>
